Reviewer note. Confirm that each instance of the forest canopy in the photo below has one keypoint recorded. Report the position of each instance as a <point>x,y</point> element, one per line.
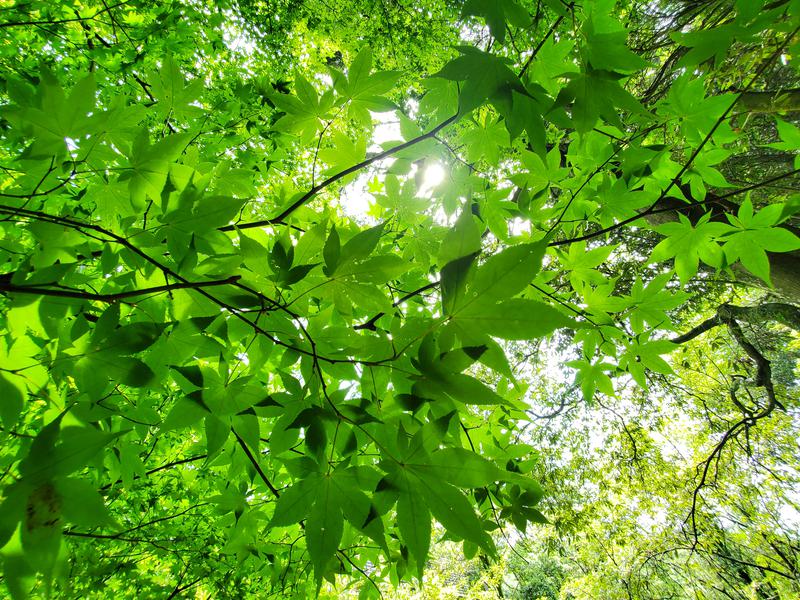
<point>432,299</point>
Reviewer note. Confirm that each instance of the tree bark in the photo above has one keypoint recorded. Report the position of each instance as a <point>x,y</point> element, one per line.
<point>779,101</point>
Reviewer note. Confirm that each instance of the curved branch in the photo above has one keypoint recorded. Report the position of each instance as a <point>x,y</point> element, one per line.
<point>727,315</point>
<point>697,331</point>
<point>785,314</point>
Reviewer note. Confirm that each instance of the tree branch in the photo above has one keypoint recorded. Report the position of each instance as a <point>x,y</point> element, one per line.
<point>728,314</point>
<point>62,293</point>
<point>786,314</point>
<point>541,43</point>
<point>653,210</point>
<point>278,219</point>
<point>256,465</point>
<point>61,21</point>
<point>371,323</point>
<point>695,153</point>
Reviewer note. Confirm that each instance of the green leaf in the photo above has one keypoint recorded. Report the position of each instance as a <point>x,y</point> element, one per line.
<point>466,469</point>
<point>505,274</point>
<point>331,252</point>
<point>453,282</point>
<point>515,319</point>
<point>13,393</point>
<point>174,98</point>
<point>690,244</point>
<point>461,468</point>
<point>486,141</point>
<point>150,165</point>
<point>72,449</point>
<point>295,503</point>
<point>324,528</point>
<point>135,373</point>
<point>755,235</point>
<point>376,269</point>
<point>450,507</point>
<point>496,13</point>
<point>184,414</point>
<point>364,88</point>
<point>486,77</point>
<point>40,535</point>
<point>217,433</point>
<point>595,95</point>
<point>706,43</point>
<point>462,388</point>
<point>362,244</point>
<point>132,338</point>
<point>606,47</point>
<point>463,239</point>
<point>592,377</point>
<point>81,505</point>
<point>414,524</point>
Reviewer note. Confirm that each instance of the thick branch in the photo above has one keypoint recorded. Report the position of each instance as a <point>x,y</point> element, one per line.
<point>730,315</point>
<point>778,312</point>
<point>785,314</point>
<point>779,101</point>
<point>697,331</point>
